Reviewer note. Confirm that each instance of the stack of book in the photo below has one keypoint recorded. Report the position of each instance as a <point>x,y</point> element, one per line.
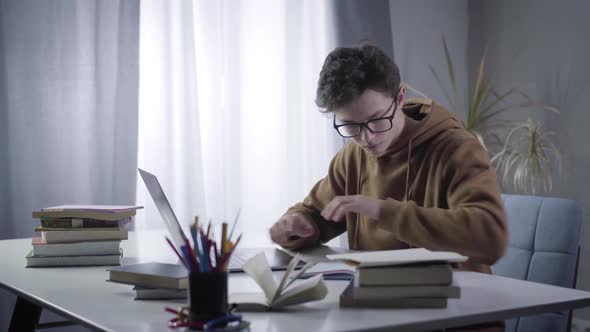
<point>153,280</point>
<point>80,235</point>
<point>411,286</point>
<point>412,278</point>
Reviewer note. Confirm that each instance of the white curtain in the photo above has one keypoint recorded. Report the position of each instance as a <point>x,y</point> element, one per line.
<point>68,111</point>
<point>227,118</point>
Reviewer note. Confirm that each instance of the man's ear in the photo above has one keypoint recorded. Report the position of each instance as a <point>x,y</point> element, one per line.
<point>401,96</point>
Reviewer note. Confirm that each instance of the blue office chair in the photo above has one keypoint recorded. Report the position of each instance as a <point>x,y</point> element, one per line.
<point>543,247</point>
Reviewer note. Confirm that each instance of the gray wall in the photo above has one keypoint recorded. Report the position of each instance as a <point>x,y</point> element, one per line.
<point>542,47</point>
<point>5,190</point>
<point>363,20</point>
<point>537,46</point>
<point>417,28</point>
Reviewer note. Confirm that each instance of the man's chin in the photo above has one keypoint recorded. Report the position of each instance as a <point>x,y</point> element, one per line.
<point>374,152</point>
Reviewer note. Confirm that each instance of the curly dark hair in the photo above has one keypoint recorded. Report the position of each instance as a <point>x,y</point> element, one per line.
<point>348,71</point>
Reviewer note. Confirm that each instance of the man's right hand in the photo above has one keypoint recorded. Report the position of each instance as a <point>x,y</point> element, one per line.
<point>293,231</point>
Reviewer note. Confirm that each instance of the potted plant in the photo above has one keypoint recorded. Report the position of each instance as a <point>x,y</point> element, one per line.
<point>527,154</point>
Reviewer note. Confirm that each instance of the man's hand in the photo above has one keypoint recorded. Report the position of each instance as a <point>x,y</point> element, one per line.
<point>293,231</point>
<point>337,209</point>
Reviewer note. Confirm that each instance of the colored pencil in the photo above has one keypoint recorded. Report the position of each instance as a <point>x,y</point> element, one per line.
<point>175,251</point>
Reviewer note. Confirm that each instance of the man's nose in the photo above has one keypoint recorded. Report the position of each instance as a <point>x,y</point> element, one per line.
<point>366,135</point>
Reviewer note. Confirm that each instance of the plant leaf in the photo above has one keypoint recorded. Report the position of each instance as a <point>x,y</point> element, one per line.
<point>480,139</point>
<point>478,81</point>
<point>438,80</point>
<point>451,70</point>
<point>498,99</point>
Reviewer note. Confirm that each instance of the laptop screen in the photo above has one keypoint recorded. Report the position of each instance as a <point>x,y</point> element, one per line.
<point>161,202</point>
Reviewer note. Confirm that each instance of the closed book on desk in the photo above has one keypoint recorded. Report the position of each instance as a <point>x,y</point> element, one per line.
<point>66,235</point>
<point>415,274</point>
<point>84,223</point>
<point>145,293</point>
<point>151,275</point>
<point>397,257</point>
<point>376,292</point>
<point>347,299</point>
<point>42,248</point>
<point>103,212</point>
<point>88,260</point>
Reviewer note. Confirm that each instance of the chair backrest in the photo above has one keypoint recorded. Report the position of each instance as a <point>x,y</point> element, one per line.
<point>544,237</point>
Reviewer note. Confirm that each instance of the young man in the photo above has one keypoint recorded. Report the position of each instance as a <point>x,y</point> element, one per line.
<point>411,176</point>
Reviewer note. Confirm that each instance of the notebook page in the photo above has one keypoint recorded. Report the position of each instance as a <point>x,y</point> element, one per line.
<point>257,267</point>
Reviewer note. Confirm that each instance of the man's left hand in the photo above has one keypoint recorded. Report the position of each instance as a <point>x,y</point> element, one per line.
<point>337,209</point>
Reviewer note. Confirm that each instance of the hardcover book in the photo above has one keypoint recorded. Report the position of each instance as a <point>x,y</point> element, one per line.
<point>413,274</point>
<point>88,260</point>
<point>347,299</point>
<point>151,275</point>
<point>146,293</point>
<point>391,292</point>
<point>84,223</point>
<point>42,248</point>
<point>102,212</point>
<point>67,235</point>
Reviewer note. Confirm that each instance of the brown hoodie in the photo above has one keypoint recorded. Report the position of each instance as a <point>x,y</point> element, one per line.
<point>439,189</point>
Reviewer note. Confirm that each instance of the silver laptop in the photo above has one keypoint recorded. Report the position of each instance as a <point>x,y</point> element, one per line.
<point>277,259</point>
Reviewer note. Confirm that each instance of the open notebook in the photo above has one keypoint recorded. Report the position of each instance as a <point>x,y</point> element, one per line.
<point>397,257</point>
<point>287,292</point>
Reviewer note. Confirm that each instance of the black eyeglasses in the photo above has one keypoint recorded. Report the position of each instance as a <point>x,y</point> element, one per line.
<point>378,125</point>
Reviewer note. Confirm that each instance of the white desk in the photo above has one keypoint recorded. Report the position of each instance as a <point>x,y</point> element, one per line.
<point>83,295</point>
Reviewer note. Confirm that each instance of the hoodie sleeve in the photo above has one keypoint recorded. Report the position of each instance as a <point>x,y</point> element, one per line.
<point>321,194</point>
<point>474,225</point>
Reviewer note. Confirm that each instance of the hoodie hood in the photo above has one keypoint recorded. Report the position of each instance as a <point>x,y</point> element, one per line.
<point>424,120</point>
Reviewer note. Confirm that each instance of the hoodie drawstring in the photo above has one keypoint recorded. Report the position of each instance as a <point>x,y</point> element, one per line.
<point>359,185</point>
<point>408,174</point>
<point>408,170</point>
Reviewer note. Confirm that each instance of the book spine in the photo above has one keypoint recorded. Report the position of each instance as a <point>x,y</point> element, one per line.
<point>393,277</point>
<point>82,214</point>
<point>81,236</point>
<point>83,223</point>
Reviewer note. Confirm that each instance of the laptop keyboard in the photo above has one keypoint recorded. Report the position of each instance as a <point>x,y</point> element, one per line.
<point>238,259</point>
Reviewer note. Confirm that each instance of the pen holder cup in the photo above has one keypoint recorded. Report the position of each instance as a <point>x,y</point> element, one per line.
<point>207,295</point>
